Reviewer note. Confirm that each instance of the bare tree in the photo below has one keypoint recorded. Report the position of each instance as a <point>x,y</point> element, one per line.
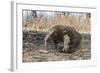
<point>34,14</point>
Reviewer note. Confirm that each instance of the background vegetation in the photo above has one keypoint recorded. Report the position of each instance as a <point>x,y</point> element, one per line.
<point>44,20</point>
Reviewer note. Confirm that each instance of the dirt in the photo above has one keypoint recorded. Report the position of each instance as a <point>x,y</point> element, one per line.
<point>34,50</point>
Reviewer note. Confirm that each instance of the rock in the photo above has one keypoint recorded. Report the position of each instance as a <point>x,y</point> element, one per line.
<point>37,56</point>
<point>43,51</point>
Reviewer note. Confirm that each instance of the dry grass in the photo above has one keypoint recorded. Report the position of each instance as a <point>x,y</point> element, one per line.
<point>40,24</point>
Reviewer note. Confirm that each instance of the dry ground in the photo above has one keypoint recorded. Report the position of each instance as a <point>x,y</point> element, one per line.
<point>34,51</point>
<point>51,55</point>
